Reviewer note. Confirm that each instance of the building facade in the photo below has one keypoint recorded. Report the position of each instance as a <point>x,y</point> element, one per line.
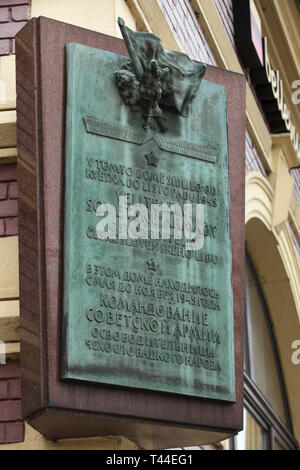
<point>208,31</point>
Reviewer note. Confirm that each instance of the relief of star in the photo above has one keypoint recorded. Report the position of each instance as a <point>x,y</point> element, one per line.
<point>151,158</point>
<point>152,266</point>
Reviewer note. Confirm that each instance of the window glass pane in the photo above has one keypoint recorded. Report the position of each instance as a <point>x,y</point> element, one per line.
<point>263,366</point>
<point>251,438</point>
<point>254,434</point>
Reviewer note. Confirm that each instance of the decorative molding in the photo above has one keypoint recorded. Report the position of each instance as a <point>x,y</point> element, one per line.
<point>158,24</point>
<point>259,205</point>
<point>284,142</point>
<point>141,21</point>
<point>259,198</point>
<point>9,268</point>
<point>8,155</point>
<point>290,260</point>
<point>283,184</point>
<point>12,350</point>
<point>7,84</point>
<point>8,135</point>
<point>289,18</point>
<point>9,320</point>
<point>294,217</point>
<point>276,264</point>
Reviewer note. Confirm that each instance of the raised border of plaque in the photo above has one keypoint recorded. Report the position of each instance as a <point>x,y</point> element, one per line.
<point>65,409</point>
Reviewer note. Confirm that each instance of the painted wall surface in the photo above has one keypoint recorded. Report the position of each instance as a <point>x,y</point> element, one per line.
<point>98,15</point>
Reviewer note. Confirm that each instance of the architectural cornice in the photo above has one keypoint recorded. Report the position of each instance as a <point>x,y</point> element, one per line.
<point>284,142</point>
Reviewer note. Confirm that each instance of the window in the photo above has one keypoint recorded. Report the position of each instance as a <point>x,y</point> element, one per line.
<point>267,423</point>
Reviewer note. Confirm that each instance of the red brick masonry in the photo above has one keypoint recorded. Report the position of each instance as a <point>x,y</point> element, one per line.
<point>8,200</point>
<point>11,424</point>
<point>13,16</point>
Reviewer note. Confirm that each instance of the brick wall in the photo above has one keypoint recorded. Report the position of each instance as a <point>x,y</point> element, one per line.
<point>295,240</point>
<point>295,174</point>
<point>225,9</point>
<point>8,200</point>
<point>186,29</point>
<point>13,16</point>
<point>253,162</point>
<point>11,424</point>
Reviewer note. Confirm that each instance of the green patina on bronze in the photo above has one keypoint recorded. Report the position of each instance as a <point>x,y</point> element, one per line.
<point>146,313</point>
<point>156,78</point>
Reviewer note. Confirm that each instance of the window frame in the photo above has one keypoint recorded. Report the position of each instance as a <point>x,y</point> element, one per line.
<point>273,428</point>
